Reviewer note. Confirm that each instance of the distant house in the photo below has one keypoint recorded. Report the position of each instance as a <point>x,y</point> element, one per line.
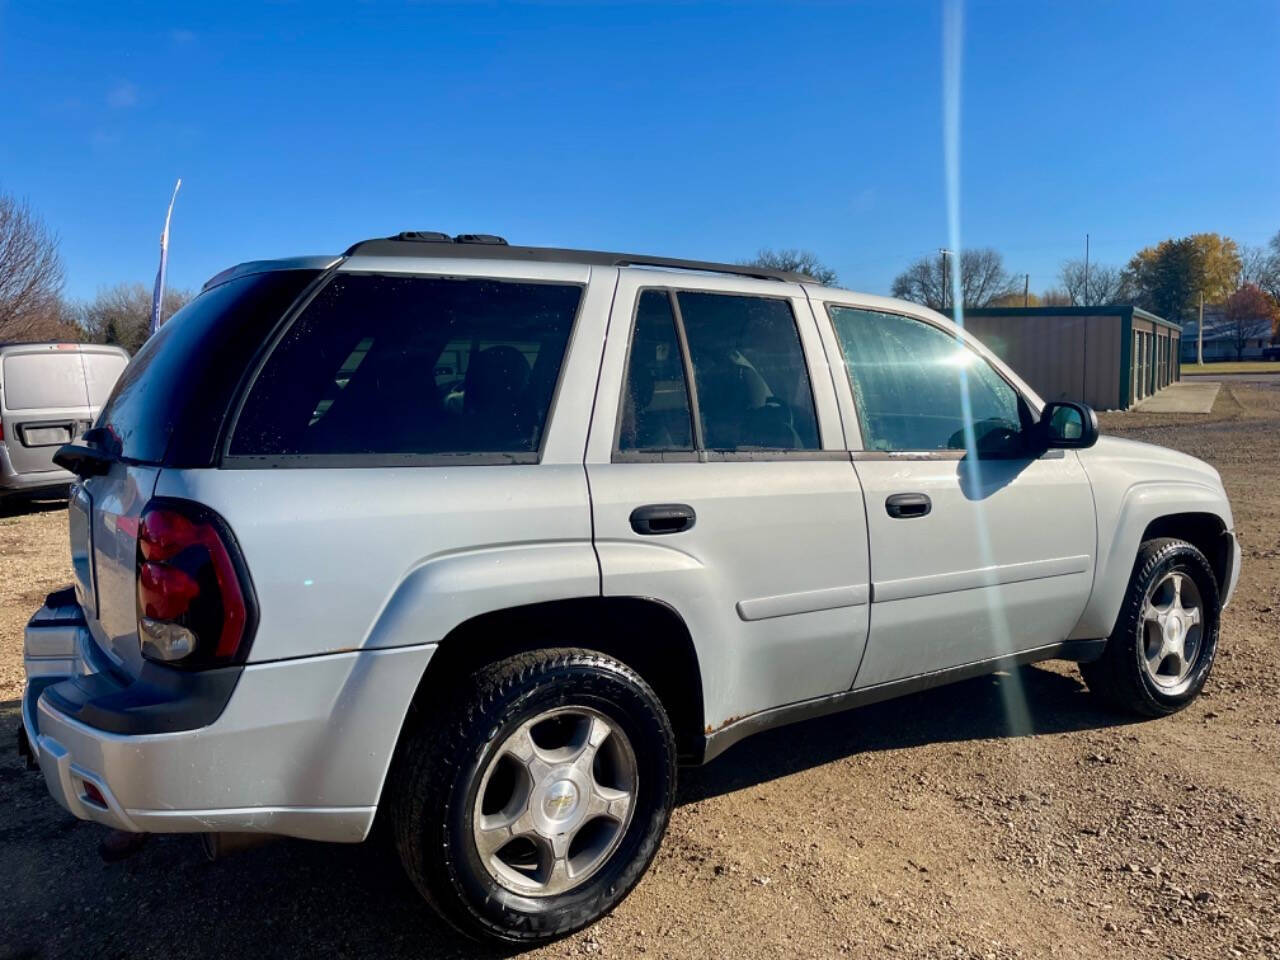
<point>1220,337</point>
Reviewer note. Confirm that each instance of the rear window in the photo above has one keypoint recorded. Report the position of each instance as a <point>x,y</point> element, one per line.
<point>393,365</point>
<point>36,381</point>
<point>170,403</point>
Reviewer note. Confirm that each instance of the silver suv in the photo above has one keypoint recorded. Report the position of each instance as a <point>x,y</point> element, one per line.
<point>485,539</point>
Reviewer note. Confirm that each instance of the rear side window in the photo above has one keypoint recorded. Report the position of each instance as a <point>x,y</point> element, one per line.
<point>34,381</point>
<point>395,365</point>
<point>170,403</point>
<point>749,372</point>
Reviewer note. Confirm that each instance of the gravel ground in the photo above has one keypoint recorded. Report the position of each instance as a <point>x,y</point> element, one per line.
<point>932,826</point>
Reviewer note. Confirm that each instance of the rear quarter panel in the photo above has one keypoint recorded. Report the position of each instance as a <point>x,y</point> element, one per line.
<point>346,558</point>
<point>370,558</point>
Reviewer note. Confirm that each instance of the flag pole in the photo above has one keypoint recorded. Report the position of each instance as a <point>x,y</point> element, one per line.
<point>157,296</point>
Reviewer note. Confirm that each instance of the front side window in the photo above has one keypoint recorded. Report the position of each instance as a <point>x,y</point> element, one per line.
<point>412,365</point>
<point>910,383</point>
<point>749,373</point>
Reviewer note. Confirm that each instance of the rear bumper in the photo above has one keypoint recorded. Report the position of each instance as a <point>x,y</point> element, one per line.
<point>301,747</point>
<point>11,481</point>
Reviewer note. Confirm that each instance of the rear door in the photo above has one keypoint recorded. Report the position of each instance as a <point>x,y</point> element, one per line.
<point>720,486</point>
<point>979,549</point>
<point>45,403</point>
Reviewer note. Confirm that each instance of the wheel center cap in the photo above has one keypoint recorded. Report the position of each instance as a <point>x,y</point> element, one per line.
<point>1173,628</point>
<point>561,800</point>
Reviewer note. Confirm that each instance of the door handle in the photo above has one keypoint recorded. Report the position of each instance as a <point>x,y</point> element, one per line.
<point>656,518</point>
<point>904,506</point>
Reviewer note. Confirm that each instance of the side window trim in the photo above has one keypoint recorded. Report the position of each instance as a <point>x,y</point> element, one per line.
<point>699,453</point>
<point>686,361</point>
<point>862,453</point>
<point>695,427</point>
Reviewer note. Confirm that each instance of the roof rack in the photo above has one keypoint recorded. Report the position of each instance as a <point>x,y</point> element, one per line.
<point>421,243</point>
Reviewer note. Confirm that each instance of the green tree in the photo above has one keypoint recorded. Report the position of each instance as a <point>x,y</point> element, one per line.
<point>1169,278</point>
<point>794,261</point>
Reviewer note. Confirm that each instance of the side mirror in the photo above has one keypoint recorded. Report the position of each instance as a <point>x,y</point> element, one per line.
<point>1066,425</point>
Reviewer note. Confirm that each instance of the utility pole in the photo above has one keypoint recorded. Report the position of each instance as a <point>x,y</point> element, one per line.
<point>1200,334</point>
<point>1086,271</point>
<point>943,252</point>
<point>1026,288</point>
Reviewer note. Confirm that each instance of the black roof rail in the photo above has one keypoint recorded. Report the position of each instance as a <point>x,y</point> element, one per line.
<point>429,244</point>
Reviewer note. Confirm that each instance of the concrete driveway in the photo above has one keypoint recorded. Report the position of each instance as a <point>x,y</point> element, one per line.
<point>1188,396</point>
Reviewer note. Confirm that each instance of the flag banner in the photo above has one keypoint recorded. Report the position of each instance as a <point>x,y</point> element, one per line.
<point>157,295</point>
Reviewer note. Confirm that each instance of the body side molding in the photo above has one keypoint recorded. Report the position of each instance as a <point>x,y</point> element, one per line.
<point>910,587</point>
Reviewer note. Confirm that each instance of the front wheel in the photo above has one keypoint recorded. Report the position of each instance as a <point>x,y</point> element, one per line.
<point>533,802</point>
<point>1162,649</point>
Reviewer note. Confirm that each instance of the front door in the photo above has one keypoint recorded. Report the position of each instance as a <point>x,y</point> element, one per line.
<point>720,486</point>
<point>978,549</point>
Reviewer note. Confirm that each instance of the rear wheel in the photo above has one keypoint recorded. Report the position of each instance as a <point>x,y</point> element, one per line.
<point>1159,656</point>
<point>533,802</point>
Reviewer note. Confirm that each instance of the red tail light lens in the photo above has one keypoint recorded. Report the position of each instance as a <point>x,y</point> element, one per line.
<point>195,601</point>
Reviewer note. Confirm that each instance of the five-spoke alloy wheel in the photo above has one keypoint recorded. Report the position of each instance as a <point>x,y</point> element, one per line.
<point>528,804</point>
<point>1172,626</point>
<point>555,800</point>
<point>1159,656</point>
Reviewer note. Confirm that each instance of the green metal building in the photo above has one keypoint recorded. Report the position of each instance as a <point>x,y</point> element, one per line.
<point>1107,357</point>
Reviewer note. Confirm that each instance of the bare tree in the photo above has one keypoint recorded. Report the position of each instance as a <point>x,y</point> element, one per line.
<point>122,314</point>
<point>30,275</point>
<point>983,279</point>
<point>1097,285</point>
<point>1249,313</point>
<point>1055,298</point>
<point>1260,267</point>
<point>794,261</point>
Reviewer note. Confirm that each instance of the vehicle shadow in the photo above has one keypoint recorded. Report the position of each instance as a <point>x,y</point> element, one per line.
<point>21,504</point>
<point>1022,702</point>
<point>291,898</point>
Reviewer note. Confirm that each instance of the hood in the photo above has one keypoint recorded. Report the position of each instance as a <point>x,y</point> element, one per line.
<point>1141,457</point>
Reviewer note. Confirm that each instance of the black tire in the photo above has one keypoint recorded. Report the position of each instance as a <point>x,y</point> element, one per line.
<point>439,770</point>
<point>1118,677</point>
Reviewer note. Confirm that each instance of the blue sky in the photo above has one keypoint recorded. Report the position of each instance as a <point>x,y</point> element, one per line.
<point>689,130</point>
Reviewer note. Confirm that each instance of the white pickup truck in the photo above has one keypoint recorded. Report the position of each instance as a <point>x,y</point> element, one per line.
<point>486,539</point>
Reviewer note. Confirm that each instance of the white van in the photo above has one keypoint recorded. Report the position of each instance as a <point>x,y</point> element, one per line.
<point>50,393</point>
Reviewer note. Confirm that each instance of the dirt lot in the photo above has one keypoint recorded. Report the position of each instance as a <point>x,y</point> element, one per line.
<point>934,826</point>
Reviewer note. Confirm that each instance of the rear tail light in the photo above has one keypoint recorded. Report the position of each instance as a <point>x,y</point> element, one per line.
<point>195,601</point>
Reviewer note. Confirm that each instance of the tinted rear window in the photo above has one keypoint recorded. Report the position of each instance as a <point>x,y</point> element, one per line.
<point>170,404</point>
<point>40,381</point>
<point>380,365</point>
